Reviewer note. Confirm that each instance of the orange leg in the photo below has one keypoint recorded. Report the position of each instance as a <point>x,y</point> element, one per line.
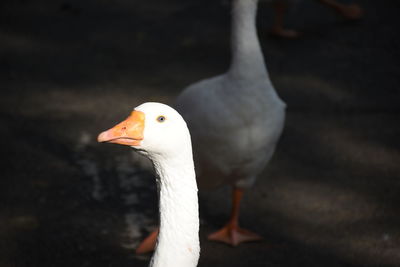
<point>231,233</point>
<point>280,7</point>
<point>148,244</point>
<point>350,12</point>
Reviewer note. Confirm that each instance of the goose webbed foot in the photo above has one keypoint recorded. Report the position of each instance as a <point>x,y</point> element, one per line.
<point>278,29</point>
<point>285,33</point>
<point>233,235</point>
<point>350,12</point>
<point>148,244</point>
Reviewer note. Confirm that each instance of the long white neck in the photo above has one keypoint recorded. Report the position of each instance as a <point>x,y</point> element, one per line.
<point>247,57</point>
<point>178,241</point>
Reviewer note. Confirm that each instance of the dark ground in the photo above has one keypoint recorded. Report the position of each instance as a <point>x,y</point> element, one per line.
<point>70,69</point>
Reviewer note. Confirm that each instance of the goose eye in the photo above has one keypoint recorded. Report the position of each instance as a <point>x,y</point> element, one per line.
<point>161,118</point>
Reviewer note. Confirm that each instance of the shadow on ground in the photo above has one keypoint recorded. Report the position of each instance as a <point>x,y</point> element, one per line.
<point>70,69</point>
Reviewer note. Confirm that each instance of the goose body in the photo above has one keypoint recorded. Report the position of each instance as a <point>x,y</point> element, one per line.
<point>160,133</point>
<point>237,114</point>
<point>235,119</point>
<point>240,125</point>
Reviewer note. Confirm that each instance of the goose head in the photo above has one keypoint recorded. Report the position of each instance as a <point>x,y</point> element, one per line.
<point>152,129</point>
<point>160,133</point>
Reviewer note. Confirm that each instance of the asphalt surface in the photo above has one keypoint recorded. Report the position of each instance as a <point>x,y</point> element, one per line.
<point>70,69</point>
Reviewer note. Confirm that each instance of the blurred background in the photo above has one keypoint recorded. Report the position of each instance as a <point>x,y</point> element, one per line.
<point>71,69</point>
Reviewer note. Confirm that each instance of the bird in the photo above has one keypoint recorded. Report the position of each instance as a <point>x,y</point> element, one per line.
<point>236,120</point>
<point>159,132</point>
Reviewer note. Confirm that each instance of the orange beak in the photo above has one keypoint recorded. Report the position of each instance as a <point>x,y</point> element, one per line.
<point>128,133</point>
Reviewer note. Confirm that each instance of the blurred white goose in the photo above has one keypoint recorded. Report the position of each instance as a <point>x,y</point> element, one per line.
<point>235,120</point>
<point>160,133</point>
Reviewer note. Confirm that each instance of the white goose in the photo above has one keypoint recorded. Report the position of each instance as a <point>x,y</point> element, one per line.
<point>160,133</point>
<point>235,120</point>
